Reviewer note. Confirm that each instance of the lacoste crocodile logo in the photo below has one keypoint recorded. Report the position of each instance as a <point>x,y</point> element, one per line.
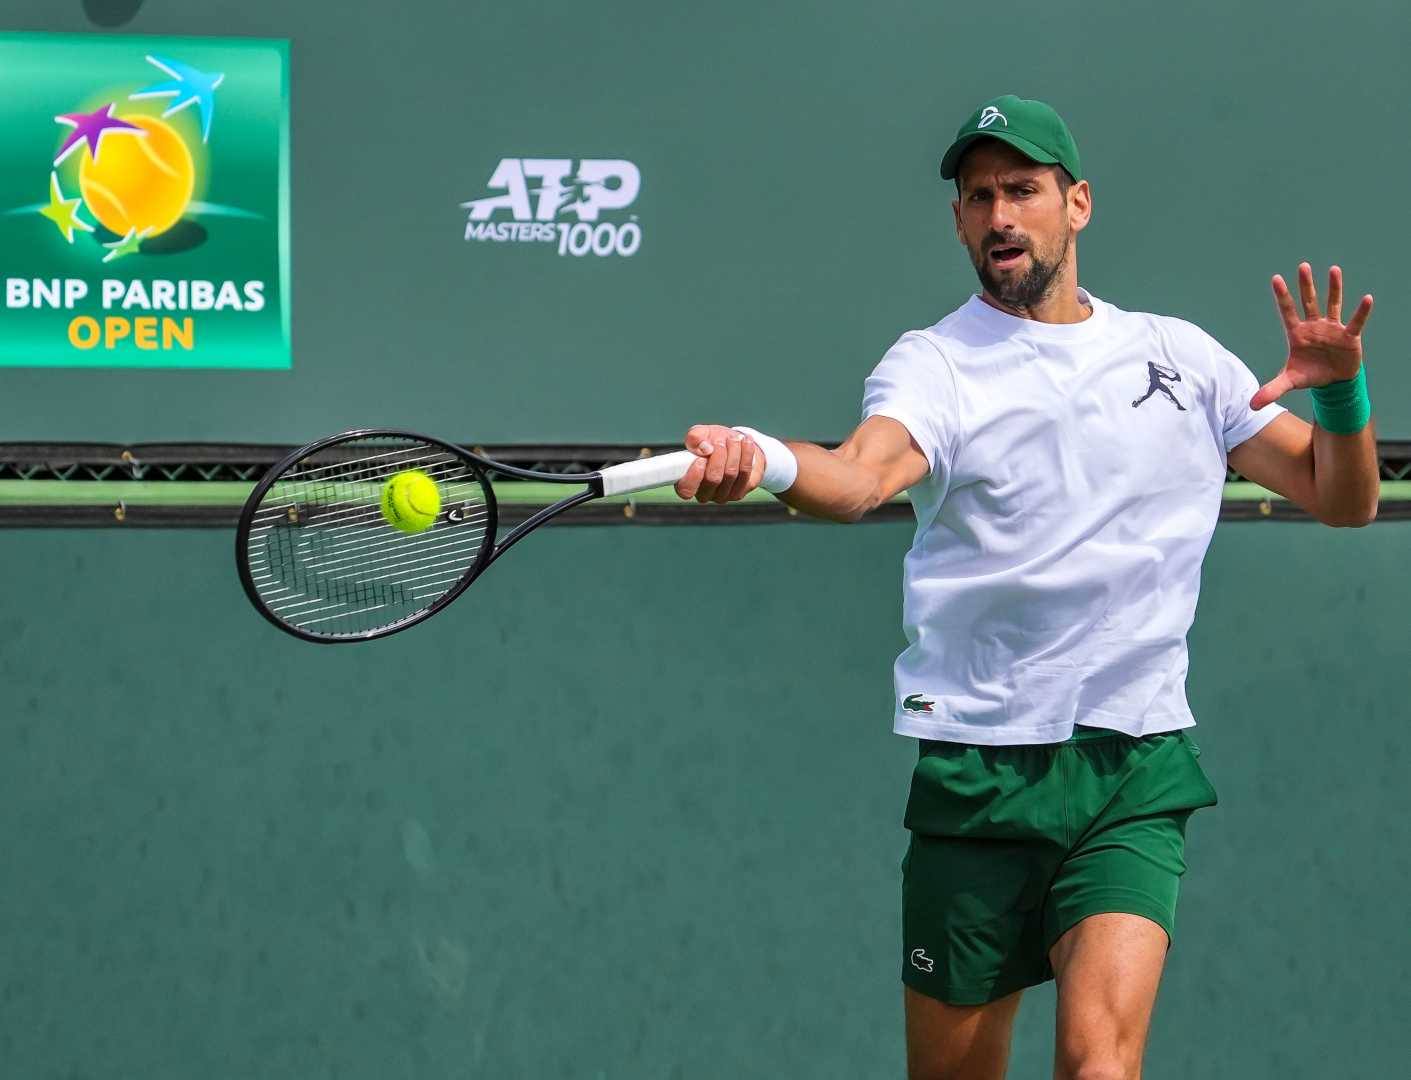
<point>916,703</point>
<point>920,961</point>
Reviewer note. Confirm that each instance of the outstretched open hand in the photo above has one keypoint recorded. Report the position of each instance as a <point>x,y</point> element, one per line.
<point>1321,349</point>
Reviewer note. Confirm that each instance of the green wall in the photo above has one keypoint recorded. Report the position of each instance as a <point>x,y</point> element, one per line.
<point>793,222</point>
<point>630,809</point>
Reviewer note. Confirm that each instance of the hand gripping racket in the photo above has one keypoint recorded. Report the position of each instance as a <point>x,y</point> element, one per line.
<point>320,560</point>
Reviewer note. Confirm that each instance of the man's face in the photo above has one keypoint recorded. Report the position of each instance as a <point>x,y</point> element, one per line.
<point>1014,222</point>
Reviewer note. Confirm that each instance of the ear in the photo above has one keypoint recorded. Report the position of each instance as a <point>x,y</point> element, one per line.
<point>955,209</point>
<point>1080,205</point>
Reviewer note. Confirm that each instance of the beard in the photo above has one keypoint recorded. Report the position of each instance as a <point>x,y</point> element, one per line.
<point>1024,290</point>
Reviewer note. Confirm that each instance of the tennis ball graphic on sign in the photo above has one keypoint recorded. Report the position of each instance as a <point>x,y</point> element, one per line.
<point>410,501</point>
<point>134,170</point>
<point>142,184</point>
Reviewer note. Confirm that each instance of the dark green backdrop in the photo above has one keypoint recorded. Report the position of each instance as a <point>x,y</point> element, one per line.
<point>551,834</point>
<point>793,222</point>
<point>632,810</point>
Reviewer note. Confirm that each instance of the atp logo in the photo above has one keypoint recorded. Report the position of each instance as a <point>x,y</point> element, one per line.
<point>538,193</point>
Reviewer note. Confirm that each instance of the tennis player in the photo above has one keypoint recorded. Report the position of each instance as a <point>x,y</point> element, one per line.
<point>1065,459</point>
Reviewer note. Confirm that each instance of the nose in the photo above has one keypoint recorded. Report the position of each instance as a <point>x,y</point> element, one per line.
<point>1003,214</point>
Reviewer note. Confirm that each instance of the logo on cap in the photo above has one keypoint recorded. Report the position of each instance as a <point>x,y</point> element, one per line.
<point>989,115</point>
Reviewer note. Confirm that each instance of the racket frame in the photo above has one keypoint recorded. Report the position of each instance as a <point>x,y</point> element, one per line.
<point>489,552</point>
<point>277,473</point>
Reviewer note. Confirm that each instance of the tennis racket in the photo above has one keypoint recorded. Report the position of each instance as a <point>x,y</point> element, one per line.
<point>318,558</point>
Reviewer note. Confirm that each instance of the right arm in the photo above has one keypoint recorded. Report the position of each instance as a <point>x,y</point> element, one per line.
<point>877,461</point>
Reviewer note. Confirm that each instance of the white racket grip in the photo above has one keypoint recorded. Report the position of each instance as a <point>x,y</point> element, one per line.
<point>647,472</point>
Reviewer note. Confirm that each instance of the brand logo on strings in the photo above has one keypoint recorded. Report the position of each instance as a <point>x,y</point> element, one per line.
<point>580,209</point>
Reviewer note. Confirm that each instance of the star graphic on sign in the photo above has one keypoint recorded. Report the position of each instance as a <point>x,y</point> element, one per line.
<point>189,87</point>
<point>128,245</point>
<point>63,212</point>
<point>90,128</point>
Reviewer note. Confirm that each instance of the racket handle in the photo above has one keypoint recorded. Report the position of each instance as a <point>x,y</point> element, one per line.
<point>648,472</point>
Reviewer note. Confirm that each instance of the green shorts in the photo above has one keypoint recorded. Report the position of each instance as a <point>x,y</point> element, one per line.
<point>1011,846</point>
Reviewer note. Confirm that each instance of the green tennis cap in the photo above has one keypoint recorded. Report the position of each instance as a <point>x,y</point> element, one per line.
<point>1031,127</point>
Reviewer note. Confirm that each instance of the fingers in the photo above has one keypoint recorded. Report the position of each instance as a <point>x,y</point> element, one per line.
<point>732,467</point>
<point>742,485</point>
<point>726,466</point>
<point>698,436</point>
<point>1308,291</point>
<point>708,441</point>
<point>723,470</point>
<point>1285,303</point>
<point>1359,317</point>
<point>699,440</point>
<point>687,486</point>
<point>714,470</point>
<point>1276,388</point>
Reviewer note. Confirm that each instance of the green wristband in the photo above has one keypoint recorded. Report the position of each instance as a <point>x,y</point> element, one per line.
<point>1343,407</point>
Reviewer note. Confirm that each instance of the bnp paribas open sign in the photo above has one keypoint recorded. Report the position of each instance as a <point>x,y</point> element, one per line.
<point>144,201</point>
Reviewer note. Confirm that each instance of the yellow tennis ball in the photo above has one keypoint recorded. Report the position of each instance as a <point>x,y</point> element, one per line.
<point>410,501</point>
<point>141,182</point>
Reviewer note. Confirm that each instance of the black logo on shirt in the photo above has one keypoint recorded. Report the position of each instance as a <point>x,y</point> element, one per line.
<point>1156,373</point>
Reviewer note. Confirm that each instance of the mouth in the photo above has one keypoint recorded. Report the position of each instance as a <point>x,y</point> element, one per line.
<point>1006,258</point>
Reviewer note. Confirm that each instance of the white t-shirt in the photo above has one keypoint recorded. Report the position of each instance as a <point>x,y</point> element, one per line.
<point>1076,478</point>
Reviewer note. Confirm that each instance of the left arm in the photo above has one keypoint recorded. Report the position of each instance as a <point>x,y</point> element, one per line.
<point>1332,476</point>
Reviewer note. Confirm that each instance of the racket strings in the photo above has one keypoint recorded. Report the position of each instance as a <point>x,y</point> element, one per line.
<point>323,558</point>
<point>339,511</point>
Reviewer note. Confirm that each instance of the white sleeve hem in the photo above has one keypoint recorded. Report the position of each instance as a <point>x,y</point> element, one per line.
<point>1252,425</point>
<point>913,426</point>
